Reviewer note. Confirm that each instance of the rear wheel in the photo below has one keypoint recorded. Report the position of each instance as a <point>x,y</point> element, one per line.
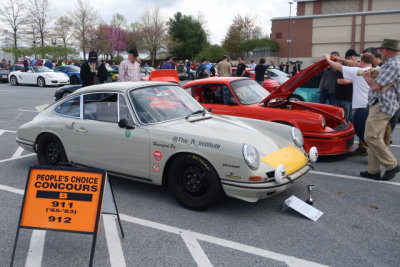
<point>50,151</point>
<point>13,81</point>
<point>41,82</point>
<point>194,182</point>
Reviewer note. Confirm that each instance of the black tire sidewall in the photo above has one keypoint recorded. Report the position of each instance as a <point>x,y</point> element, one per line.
<point>43,142</point>
<point>214,188</point>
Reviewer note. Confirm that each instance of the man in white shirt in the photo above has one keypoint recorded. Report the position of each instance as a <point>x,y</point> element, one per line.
<point>360,96</point>
<point>129,69</point>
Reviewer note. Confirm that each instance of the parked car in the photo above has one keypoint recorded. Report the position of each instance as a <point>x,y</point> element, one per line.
<point>278,75</point>
<point>66,90</point>
<point>4,75</point>
<point>112,74</point>
<point>269,84</point>
<point>73,72</point>
<point>323,126</point>
<point>156,133</point>
<point>42,76</point>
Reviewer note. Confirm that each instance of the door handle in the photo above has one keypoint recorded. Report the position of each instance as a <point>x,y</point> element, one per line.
<point>81,130</point>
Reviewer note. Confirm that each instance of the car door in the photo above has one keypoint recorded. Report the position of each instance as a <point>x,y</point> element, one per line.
<point>104,144</point>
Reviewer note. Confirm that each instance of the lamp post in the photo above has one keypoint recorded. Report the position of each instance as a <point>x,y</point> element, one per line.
<point>289,41</point>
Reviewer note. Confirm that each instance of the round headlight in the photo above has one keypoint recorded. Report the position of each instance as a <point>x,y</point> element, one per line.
<point>323,122</point>
<point>250,155</point>
<point>297,137</point>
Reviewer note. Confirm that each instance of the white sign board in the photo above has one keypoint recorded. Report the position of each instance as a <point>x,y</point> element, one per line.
<point>303,208</point>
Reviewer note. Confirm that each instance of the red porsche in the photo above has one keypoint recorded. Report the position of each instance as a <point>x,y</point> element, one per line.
<point>323,126</point>
<point>269,84</point>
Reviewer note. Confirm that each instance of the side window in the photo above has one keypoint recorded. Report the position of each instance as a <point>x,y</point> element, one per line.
<point>69,108</point>
<point>100,107</point>
<point>227,94</point>
<point>124,112</point>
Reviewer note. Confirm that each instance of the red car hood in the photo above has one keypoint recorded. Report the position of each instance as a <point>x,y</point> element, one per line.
<point>286,89</point>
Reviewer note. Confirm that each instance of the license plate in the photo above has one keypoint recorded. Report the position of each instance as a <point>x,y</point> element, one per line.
<point>4,76</point>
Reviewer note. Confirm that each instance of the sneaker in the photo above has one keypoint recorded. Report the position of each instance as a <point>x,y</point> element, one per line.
<point>390,174</point>
<point>359,152</point>
<point>366,174</point>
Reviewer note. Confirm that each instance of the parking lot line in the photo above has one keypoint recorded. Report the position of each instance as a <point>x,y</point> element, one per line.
<point>113,242</point>
<point>354,178</point>
<point>8,131</point>
<point>17,153</point>
<point>195,249</point>
<point>27,110</point>
<point>20,157</point>
<point>36,247</point>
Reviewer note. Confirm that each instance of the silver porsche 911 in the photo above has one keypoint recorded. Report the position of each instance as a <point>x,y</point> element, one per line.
<point>155,132</point>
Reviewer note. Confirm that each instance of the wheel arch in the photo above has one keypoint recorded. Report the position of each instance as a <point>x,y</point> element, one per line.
<point>46,134</point>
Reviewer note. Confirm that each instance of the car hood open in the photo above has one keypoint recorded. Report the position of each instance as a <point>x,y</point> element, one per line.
<point>286,89</point>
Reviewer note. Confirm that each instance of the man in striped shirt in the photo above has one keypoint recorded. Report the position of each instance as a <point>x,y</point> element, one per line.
<point>129,69</point>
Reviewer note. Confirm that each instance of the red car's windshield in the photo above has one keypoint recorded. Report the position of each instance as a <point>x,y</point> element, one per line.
<point>248,91</point>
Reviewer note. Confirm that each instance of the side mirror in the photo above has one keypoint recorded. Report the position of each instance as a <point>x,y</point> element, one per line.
<point>123,123</point>
<point>232,101</point>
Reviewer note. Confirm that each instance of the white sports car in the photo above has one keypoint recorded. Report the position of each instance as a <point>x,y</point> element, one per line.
<point>40,75</point>
<point>155,132</point>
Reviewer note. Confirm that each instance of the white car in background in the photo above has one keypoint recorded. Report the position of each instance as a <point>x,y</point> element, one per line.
<point>278,75</point>
<point>40,75</point>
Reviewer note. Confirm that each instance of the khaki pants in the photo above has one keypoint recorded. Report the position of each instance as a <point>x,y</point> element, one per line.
<point>378,153</point>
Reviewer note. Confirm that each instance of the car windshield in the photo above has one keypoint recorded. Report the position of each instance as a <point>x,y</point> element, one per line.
<point>73,69</point>
<point>41,69</point>
<point>162,103</point>
<point>249,91</point>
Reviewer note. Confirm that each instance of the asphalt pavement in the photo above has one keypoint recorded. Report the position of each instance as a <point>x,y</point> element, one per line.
<point>360,225</point>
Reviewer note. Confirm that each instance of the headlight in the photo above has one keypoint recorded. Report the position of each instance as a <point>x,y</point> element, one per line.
<point>343,114</point>
<point>250,155</point>
<point>323,122</point>
<point>297,137</point>
<point>49,76</point>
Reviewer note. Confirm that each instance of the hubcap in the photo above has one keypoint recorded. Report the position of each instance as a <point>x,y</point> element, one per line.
<point>40,82</point>
<point>194,182</point>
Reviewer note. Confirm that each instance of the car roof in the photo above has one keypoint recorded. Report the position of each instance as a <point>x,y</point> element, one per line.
<point>216,80</point>
<point>121,86</point>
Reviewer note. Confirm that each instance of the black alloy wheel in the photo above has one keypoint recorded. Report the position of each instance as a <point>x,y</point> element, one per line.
<point>50,151</point>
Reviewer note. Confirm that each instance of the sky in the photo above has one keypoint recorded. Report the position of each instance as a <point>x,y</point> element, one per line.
<point>218,14</point>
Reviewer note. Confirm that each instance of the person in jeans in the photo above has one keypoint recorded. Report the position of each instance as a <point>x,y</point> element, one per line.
<point>260,72</point>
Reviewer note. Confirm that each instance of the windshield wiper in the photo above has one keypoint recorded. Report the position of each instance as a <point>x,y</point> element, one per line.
<point>200,111</point>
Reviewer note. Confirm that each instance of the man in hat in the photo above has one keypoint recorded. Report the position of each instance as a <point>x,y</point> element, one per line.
<point>93,71</point>
<point>129,69</point>
<point>382,106</point>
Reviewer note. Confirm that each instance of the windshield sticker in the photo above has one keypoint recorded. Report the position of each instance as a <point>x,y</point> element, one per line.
<point>161,94</point>
<point>157,155</point>
<point>195,142</point>
<point>230,166</point>
<point>156,168</point>
<point>232,176</point>
<point>127,134</point>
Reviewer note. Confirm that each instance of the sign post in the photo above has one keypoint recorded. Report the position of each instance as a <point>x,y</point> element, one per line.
<point>63,199</point>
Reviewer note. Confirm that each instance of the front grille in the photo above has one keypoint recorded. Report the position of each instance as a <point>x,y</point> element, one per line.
<point>349,142</point>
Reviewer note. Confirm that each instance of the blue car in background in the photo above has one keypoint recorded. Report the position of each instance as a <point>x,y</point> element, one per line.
<point>73,73</point>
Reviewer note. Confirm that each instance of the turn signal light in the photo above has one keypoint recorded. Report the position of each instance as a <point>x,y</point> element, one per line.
<point>255,178</point>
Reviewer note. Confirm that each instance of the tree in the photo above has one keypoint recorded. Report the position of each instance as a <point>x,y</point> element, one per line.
<point>40,18</point>
<point>13,16</point>
<point>189,37</point>
<point>249,45</point>
<point>84,20</point>
<point>109,40</point>
<point>118,20</point>
<point>241,29</point>
<point>214,53</point>
<point>63,29</point>
<point>134,36</point>
<point>153,32</point>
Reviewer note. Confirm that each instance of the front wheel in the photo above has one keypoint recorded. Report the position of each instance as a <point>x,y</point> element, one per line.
<point>13,81</point>
<point>50,151</point>
<point>41,82</point>
<point>194,182</point>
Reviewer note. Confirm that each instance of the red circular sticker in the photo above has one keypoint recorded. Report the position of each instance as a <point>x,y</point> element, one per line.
<point>157,155</point>
<point>156,168</point>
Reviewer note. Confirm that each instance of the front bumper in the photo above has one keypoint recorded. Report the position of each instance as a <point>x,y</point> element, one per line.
<point>252,192</point>
<point>25,144</point>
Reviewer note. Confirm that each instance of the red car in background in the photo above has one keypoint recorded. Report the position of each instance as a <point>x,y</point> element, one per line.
<point>323,126</point>
<point>269,84</point>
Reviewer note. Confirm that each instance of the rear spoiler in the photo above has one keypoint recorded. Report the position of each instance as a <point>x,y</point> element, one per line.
<point>164,76</point>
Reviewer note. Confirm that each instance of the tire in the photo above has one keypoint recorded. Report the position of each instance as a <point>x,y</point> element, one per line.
<point>295,98</point>
<point>13,81</point>
<point>41,82</point>
<point>194,182</point>
<point>50,151</point>
<point>74,80</point>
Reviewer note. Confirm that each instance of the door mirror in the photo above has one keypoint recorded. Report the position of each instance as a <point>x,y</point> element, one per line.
<point>123,123</point>
<point>232,101</point>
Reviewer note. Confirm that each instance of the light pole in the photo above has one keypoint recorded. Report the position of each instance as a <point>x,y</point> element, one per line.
<point>289,41</point>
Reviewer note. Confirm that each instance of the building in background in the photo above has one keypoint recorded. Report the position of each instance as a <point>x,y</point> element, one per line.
<point>322,26</point>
